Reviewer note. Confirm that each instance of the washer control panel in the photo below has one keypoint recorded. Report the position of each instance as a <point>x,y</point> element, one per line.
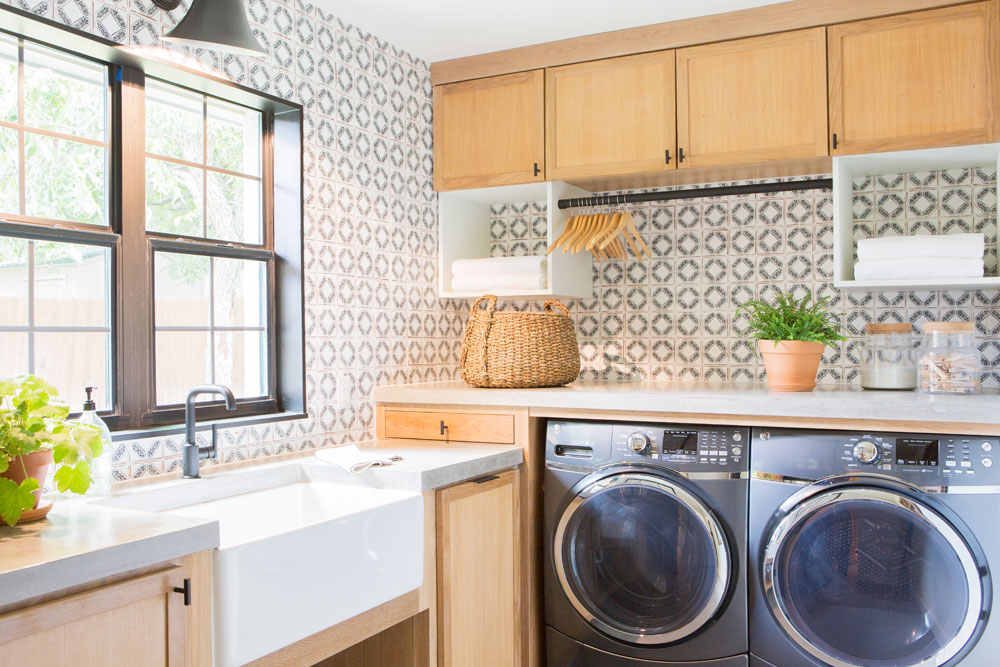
<point>682,447</point>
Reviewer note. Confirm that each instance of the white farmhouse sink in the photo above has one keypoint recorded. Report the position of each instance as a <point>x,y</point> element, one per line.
<point>299,557</point>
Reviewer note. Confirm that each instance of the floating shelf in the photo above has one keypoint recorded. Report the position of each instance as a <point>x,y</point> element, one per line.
<point>464,222</point>
<point>846,167</point>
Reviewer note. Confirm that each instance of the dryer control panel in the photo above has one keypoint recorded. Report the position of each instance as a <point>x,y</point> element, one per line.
<point>682,447</point>
<point>917,458</point>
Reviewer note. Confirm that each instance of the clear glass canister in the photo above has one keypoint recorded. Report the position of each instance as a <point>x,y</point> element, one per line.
<point>889,357</point>
<point>949,358</point>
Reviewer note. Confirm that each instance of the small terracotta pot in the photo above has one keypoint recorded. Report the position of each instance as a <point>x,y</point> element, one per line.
<point>792,365</point>
<point>36,464</point>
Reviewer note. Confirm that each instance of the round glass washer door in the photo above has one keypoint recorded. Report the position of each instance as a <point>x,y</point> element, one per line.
<point>642,559</point>
<point>863,576</point>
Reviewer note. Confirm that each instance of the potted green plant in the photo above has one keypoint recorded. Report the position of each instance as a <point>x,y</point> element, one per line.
<point>34,432</point>
<point>791,335</point>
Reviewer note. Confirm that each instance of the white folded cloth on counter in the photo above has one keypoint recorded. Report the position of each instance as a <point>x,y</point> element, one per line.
<point>499,283</point>
<point>354,459</point>
<point>498,266</point>
<point>967,246</point>
<point>918,268</point>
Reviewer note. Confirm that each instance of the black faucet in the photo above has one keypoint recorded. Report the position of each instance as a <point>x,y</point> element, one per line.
<point>192,452</point>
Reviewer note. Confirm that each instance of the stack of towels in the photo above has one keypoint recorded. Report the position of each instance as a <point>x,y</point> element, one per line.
<point>921,257</point>
<point>499,274</point>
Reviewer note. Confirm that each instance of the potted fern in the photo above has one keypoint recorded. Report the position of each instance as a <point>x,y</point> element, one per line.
<point>34,432</point>
<point>791,335</point>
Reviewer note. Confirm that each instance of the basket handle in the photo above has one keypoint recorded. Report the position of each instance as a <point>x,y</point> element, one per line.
<point>491,301</point>
<point>553,302</point>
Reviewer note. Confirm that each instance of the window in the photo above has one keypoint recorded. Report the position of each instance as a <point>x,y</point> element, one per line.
<point>145,261</point>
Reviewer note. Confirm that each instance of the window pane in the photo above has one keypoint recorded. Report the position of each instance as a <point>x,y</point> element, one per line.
<point>174,198</point>
<point>64,180</point>
<point>13,286</point>
<point>233,137</point>
<point>8,79</point>
<point>239,288</point>
<point>13,354</point>
<point>183,359</point>
<point>74,360</point>
<point>9,176</point>
<point>174,122</point>
<point>63,93</point>
<point>233,208</point>
<point>72,285</point>
<point>182,287</point>
<point>240,362</point>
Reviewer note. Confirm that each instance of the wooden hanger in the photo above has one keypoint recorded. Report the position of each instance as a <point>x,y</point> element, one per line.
<point>567,231</point>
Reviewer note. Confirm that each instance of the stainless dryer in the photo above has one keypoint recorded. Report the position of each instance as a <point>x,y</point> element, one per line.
<point>645,538</point>
<point>873,549</point>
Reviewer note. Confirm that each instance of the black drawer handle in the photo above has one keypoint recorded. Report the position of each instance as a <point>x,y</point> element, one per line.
<point>486,478</point>
<point>186,591</point>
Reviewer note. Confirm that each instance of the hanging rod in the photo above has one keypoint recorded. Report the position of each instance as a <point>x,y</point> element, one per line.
<point>697,193</point>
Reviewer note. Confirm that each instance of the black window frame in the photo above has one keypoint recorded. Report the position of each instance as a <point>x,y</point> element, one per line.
<point>132,247</point>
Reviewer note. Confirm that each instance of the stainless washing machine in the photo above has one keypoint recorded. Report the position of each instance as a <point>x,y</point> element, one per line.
<point>645,545</point>
<point>873,549</point>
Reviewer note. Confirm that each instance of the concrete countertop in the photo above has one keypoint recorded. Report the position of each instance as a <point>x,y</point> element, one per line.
<point>722,398</point>
<point>84,540</point>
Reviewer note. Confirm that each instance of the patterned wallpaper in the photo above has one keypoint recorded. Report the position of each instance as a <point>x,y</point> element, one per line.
<point>674,316</point>
<point>373,316</point>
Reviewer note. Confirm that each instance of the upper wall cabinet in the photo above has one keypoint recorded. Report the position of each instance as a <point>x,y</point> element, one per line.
<point>914,80</point>
<point>490,131</point>
<point>751,100</point>
<point>612,116</point>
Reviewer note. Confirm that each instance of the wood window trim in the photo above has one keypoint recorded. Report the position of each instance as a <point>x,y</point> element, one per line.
<point>132,247</point>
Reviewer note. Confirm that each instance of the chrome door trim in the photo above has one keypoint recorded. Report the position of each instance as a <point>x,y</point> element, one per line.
<point>573,467</point>
<point>983,489</point>
<point>918,510</point>
<point>705,517</point>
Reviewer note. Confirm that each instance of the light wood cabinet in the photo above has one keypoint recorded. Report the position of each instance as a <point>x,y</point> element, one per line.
<point>490,131</point>
<point>480,615</point>
<point>139,622</point>
<point>450,426</point>
<point>914,80</point>
<point>614,116</point>
<point>752,100</point>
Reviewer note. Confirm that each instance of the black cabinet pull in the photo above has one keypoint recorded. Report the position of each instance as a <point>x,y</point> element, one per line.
<point>186,591</point>
<point>834,141</point>
<point>680,155</point>
<point>537,170</point>
<point>444,428</point>
<point>666,154</point>
<point>486,478</point>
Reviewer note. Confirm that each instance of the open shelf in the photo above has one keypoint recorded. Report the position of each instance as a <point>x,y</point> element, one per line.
<point>846,167</point>
<point>464,219</point>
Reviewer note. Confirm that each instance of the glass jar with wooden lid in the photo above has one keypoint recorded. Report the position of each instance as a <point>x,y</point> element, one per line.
<point>949,359</point>
<point>889,357</point>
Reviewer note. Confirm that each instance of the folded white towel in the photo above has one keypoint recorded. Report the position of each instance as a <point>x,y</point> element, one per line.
<point>354,459</point>
<point>499,283</point>
<point>918,268</point>
<point>967,246</point>
<point>498,266</point>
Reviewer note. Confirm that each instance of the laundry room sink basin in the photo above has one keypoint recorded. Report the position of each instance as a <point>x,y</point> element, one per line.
<point>297,558</point>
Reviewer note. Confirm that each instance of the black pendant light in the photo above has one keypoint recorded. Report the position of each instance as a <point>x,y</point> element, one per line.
<point>214,24</point>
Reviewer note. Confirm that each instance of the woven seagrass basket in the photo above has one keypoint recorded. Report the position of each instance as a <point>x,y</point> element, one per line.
<point>513,349</point>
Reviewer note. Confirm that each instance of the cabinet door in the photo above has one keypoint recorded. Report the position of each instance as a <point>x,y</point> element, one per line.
<point>478,573</point>
<point>136,623</point>
<point>751,100</point>
<point>490,131</point>
<point>614,116</point>
<point>914,80</point>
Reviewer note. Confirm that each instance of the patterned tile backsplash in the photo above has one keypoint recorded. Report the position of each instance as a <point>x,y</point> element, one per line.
<point>674,316</point>
<point>373,316</point>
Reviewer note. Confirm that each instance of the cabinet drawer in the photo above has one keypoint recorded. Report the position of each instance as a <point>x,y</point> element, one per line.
<point>459,426</point>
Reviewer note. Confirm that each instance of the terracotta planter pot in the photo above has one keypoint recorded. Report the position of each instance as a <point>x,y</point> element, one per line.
<point>792,365</point>
<point>35,464</point>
